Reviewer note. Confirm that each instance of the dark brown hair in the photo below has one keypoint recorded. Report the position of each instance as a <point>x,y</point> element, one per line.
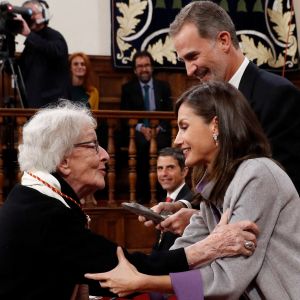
<point>240,136</point>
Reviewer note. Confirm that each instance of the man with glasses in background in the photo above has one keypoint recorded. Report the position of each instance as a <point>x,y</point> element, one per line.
<point>144,93</point>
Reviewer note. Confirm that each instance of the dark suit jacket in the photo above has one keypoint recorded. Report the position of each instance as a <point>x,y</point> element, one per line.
<point>276,102</point>
<point>132,99</point>
<point>166,240</point>
<point>132,96</point>
<point>45,248</point>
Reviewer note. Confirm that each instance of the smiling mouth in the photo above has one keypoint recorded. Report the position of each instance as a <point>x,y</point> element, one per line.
<point>201,73</point>
<point>185,151</point>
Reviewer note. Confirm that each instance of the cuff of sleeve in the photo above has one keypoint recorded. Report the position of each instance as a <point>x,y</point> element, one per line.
<point>186,203</point>
<point>187,285</point>
<point>138,126</point>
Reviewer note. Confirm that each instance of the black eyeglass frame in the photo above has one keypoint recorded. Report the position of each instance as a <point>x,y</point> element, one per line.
<point>88,145</point>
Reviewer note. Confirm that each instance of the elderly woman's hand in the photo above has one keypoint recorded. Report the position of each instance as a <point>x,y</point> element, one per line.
<point>123,280</point>
<point>225,240</point>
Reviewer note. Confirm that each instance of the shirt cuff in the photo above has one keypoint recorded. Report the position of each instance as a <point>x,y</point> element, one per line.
<point>186,203</point>
<point>187,285</point>
<point>139,126</point>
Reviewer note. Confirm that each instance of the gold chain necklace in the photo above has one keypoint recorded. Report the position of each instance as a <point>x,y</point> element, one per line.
<point>55,190</point>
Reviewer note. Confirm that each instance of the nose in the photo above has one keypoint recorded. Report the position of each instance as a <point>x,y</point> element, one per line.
<point>178,140</point>
<point>104,156</point>
<point>190,69</point>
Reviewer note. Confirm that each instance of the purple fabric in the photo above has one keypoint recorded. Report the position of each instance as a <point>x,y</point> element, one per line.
<point>187,285</point>
<point>156,296</point>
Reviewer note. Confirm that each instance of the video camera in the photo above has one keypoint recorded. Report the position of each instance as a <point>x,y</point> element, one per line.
<point>9,27</point>
<point>8,23</point>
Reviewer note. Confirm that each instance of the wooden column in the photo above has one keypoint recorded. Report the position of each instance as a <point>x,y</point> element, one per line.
<point>112,162</point>
<point>153,161</point>
<point>132,160</point>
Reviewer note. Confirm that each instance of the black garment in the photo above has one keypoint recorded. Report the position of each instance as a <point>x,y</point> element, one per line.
<point>166,239</point>
<point>44,67</point>
<point>132,99</point>
<point>78,94</point>
<point>276,102</point>
<point>45,248</point>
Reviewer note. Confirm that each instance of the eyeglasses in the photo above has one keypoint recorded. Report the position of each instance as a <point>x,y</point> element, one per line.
<point>90,144</point>
<point>146,66</point>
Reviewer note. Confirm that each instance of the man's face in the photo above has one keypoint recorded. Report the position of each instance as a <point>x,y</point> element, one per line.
<point>204,58</point>
<point>143,68</point>
<point>169,174</point>
<point>36,18</point>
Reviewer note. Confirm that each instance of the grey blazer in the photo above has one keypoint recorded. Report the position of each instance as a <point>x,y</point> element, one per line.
<point>261,192</point>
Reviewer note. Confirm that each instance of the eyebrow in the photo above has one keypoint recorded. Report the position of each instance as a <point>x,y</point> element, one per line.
<point>188,56</point>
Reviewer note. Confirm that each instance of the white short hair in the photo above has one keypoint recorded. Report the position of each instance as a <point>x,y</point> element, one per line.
<point>50,135</point>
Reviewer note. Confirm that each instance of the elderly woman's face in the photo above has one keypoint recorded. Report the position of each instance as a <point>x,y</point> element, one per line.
<point>195,137</point>
<point>86,164</point>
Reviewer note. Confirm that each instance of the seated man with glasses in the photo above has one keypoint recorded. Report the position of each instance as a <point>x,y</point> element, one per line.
<point>144,93</point>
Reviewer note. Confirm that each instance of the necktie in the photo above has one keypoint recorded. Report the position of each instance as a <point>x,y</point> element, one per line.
<point>146,96</point>
<point>169,199</point>
<point>146,102</point>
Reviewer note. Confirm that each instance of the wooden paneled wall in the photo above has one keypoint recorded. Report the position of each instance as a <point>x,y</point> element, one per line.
<point>109,81</point>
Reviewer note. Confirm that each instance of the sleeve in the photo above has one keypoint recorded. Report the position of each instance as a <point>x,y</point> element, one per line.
<point>94,98</point>
<point>167,105</point>
<point>256,197</point>
<point>54,46</point>
<point>124,105</point>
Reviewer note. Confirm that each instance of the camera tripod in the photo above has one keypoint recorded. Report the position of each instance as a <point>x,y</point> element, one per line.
<point>17,82</point>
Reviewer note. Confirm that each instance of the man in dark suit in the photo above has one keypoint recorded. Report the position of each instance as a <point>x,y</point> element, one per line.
<point>171,174</point>
<point>209,47</point>
<point>144,93</point>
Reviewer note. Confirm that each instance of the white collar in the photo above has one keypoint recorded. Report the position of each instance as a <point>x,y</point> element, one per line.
<point>237,76</point>
<point>174,194</point>
<point>33,183</point>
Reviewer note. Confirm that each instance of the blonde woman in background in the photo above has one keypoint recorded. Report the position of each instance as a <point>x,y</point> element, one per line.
<point>82,88</point>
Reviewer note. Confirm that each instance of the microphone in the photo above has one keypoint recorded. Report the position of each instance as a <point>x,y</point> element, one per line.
<point>40,21</point>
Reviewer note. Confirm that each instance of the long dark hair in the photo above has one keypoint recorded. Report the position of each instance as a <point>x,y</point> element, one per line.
<point>240,134</point>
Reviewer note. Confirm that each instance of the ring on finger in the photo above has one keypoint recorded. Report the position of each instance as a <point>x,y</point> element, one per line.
<point>249,245</point>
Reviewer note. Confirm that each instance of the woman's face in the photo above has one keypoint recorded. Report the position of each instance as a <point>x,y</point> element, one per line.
<point>195,137</point>
<point>78,67</point>
<point>85,166</point>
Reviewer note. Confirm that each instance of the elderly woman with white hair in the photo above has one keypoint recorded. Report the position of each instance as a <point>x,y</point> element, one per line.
<point>45,245</point>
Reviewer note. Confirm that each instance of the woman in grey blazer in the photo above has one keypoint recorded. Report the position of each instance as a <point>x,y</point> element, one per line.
<point>221,136</point>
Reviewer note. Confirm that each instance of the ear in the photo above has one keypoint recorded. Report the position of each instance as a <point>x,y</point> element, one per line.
<point>214,125</point>
<point>224,40</point>
<point>64,168</point>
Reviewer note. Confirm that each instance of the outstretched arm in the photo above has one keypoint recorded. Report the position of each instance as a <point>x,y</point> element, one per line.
<point>125,279</point>
<point>225,240</point>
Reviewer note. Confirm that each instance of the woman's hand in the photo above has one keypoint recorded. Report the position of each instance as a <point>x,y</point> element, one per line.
<point>123,280</point>
<point>225,240</point>
<point>177,222</point>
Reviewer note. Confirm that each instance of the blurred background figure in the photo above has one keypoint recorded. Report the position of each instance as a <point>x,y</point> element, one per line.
<point>144,93</point>
<point>44,60</point>
<point>82,88</point>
